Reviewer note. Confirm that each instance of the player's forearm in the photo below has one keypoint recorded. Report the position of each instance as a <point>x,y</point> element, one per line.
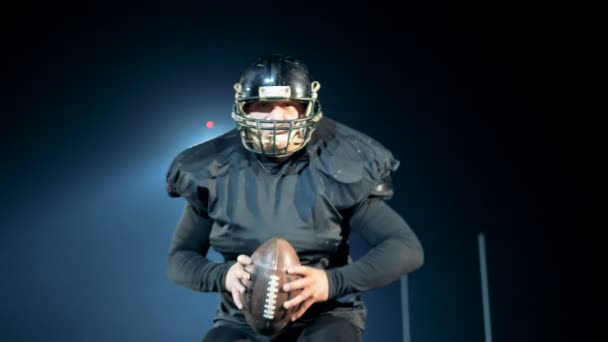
<point>188,265</point>
<point>395,251</point>
<point>384,264</point>
<point>192,270</point>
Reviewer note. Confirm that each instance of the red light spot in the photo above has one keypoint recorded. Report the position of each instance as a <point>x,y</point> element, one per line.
<point>209,124</point>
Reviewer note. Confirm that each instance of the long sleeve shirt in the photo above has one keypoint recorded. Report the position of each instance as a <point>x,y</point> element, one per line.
<point>395,251</point>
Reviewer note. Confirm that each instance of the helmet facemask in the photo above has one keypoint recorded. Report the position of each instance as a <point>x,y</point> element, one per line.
<point>276,138</point>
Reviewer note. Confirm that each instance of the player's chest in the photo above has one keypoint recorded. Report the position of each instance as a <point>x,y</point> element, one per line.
<point>250,208</point>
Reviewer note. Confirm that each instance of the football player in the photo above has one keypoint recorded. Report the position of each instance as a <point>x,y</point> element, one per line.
<point>288,171</point>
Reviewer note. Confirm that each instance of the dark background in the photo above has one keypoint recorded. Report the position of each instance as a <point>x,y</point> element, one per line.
<point>487,108</point>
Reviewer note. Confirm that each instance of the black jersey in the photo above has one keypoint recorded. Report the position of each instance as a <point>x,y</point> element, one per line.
<point>236,200</point>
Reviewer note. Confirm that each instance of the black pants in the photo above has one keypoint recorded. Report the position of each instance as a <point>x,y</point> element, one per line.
<point>325,328</point>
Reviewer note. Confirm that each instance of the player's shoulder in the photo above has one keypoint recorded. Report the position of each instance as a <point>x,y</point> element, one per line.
<point>349,154</point>
<point>199,161</point>
<point>354,164</point>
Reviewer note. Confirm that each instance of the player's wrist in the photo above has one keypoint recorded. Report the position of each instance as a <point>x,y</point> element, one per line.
<point>333,281</point>
<point>227,265</point>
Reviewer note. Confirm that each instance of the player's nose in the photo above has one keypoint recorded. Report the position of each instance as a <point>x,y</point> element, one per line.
<point>278,113</point>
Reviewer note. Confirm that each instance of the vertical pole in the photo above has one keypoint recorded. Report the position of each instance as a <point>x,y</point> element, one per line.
<point>405,312</point>
<point>485,296</point>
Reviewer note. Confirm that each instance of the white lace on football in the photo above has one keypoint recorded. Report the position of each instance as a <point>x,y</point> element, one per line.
<point>271,297</point>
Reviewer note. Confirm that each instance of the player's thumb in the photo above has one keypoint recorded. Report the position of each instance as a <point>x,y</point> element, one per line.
<point>237,299</point>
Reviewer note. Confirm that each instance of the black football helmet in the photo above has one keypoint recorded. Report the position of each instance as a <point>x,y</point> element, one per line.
<point>273,78</point>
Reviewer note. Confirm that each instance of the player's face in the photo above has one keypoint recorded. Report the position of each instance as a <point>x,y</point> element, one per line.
<point>276,110</point>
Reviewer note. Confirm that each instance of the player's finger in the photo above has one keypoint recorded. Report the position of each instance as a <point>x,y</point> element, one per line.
<point>303,270</point>
<point>242,274</point>
<point>249,268</point>
<point>243,259</point>
<point>297,300</point>
<point>303,308</point>
<point>245,282</point>
<point>237,299</point>
<point>297,284</point>
<point>238,286</point>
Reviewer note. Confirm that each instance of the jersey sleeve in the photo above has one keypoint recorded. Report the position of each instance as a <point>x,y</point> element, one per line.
<point>357,176</point>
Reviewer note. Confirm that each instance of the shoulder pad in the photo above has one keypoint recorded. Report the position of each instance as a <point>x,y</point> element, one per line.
<point>194,168</point>
<point>358,165</point>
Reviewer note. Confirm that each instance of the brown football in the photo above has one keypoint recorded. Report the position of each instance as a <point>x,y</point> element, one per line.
<point>263,300</point>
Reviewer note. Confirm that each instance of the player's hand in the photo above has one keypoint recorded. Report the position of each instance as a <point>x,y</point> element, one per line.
<point>314,285</point>
<point>238,278</point>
